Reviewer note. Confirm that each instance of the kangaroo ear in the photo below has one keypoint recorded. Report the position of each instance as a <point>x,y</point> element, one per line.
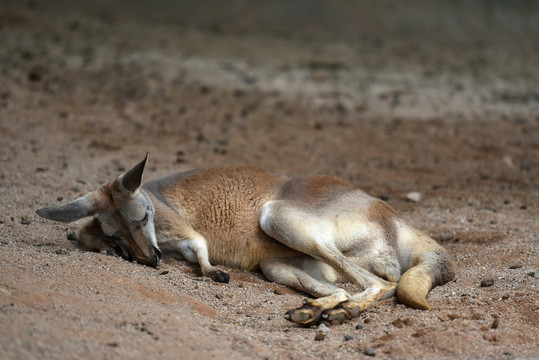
<point>75,210</point>
<point>132,179</point>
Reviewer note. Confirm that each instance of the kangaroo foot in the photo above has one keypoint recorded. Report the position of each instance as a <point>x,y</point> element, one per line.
<point>308,314</point>
<point>344,311</point>
<point>219,276</point>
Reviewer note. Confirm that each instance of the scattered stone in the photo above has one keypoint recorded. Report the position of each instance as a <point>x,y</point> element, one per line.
<point>72,236</point>
<point>4,242</point>
<point>413,196</point>
<point>35,74</point>
<point>487,282</point>
<point>531,273</point>
<point>112,344</point>
<point>25,220</point>
<point>495,324</point>
<point>107,252</point>
<point>369,351</point>
<point>163,272</point>
<point>444,237</point>
<point>523,207</point>
<point>60,251</point>
<point>60,198</point>
<point>320,336</point>
<point>508,161</point>
<point>348,337</point>
<point>323,328</point>
<point>515,266</point>
<point>359,326</point>
<point>204,90</point>
<point>367,320</point>
<point>384,197</point>
<point>278,291</point>
<point>41,169</point>
<point>218,296</point>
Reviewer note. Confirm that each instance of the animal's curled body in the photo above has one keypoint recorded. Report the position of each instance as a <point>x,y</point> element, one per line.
<point>304,232</point>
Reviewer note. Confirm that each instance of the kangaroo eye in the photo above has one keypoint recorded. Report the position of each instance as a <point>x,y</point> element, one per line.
<point>145,219</point>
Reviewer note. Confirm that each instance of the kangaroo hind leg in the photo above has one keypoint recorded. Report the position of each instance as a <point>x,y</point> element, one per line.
<point>311,276</point>
<point>315,235</point>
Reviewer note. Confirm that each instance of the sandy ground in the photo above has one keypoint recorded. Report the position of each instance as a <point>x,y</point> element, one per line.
<point>83,99</point>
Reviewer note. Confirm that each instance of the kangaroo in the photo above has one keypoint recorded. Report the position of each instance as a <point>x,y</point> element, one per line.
<point>303,232</point>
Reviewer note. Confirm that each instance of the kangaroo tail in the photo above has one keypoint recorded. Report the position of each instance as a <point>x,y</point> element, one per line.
<point>431,266</point>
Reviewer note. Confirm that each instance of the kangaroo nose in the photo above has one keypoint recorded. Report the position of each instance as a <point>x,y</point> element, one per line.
<point>157,252</point>
<point>157,258</point>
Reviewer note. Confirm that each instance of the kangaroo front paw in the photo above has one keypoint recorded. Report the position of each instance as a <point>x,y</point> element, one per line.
<point>308,314</point>
<point>344,311</point>
<point>221,277</point>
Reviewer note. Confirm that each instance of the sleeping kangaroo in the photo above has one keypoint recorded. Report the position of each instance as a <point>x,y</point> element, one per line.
<point>303,232</point>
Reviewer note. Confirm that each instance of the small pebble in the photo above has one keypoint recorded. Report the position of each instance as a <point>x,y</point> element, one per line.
<point>495,324</point>
<point>384,197</point>
<point>4,242</point>
<point>278,291</point>
<point>523,207</point>
<point>413,196</point>
<point>72,236</point>
<point>162,272</point>
<point>323,328</point>
<point>348,337</point>
<point>359,326</point>
<point>25,221</point>
<point>369,351</point>
<point>445,237</point>
<point>320,336</point>
<point>487,282</point>
<point>515,266</point>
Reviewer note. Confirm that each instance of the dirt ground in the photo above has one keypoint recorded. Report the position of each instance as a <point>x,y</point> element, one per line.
<point>83,98</point>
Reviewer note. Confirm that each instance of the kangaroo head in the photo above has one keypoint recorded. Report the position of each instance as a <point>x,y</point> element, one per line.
<point>123,210</point>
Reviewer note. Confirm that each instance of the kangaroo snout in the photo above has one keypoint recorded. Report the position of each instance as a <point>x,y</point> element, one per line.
<point>153,260</point>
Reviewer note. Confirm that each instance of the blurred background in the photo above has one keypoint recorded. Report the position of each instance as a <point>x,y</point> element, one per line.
<point>435,99</point>
<point>455,21</point>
